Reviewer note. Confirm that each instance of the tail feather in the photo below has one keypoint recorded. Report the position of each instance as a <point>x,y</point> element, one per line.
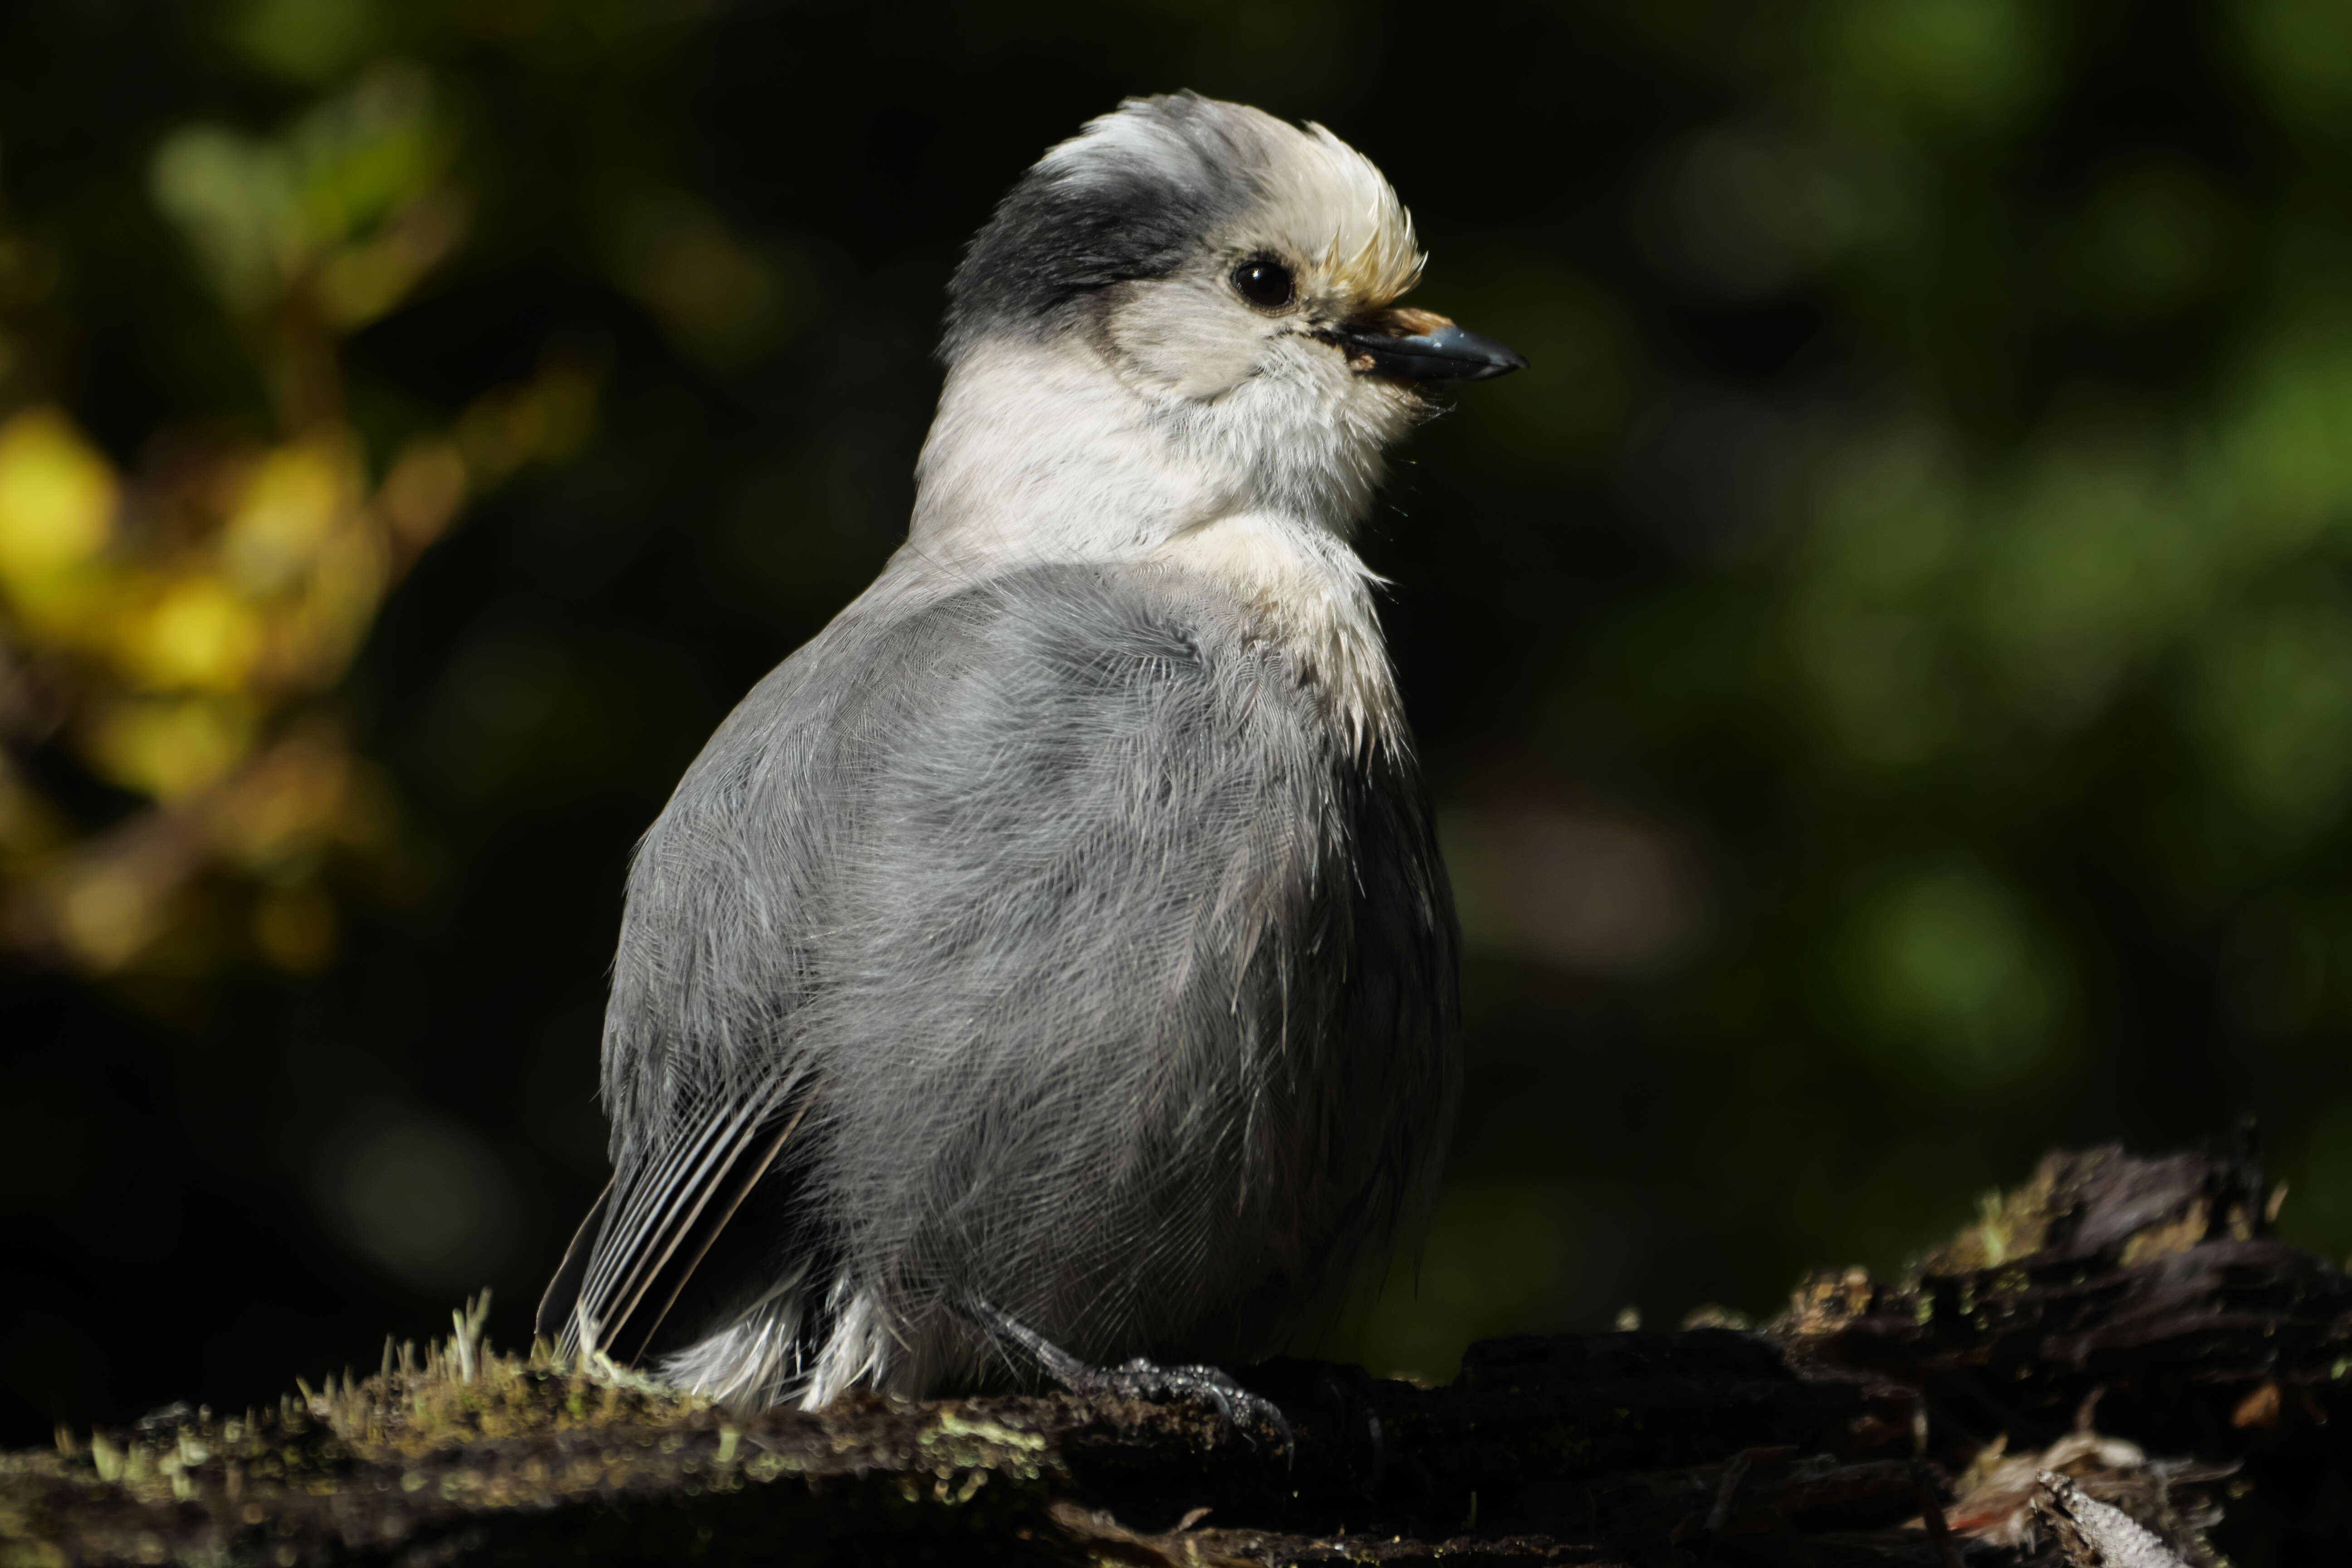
<point>556,1305</point>
<point>750,1178</point>
<point>654,1225</point>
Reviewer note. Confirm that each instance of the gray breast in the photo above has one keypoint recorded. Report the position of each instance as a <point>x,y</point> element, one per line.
<point>1109,979</point>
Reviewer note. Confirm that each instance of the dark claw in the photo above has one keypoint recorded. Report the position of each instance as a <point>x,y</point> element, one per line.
<point>1236,1407</point>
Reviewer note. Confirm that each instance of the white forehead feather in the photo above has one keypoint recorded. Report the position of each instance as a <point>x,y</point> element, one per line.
<point>1330,204</point>
<point>1300,190</point>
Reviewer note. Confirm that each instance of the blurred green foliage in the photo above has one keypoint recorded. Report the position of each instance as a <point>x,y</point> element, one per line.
<point>1886,670</point>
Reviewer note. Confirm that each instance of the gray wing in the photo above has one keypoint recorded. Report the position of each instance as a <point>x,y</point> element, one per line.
<point>703,1081</point>
<point>1008,947</point>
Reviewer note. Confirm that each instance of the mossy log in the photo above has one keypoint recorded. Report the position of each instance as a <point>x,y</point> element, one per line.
<point>2129,1324</point>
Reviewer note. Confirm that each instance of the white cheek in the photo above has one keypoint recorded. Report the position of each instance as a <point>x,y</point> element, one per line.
<point>1187,338</point>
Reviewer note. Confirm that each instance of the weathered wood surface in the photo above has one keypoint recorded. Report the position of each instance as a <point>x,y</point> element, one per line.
<point>2129,1323</point>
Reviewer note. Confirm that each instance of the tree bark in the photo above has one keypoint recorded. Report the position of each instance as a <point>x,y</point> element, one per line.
<point>2128,1324</point>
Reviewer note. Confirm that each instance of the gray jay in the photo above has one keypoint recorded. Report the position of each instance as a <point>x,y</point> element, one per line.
<point>1051,964</point>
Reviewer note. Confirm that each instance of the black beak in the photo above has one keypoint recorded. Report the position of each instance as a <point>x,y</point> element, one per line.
<point>1442,352</point>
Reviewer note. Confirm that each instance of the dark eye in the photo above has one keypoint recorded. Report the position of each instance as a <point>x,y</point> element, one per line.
<point>1264,282</point>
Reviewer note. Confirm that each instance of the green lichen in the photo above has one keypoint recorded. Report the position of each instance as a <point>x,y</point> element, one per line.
<point>956,1442</point>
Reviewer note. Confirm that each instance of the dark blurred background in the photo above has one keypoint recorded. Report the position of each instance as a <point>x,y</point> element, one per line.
<point>1886,670</point>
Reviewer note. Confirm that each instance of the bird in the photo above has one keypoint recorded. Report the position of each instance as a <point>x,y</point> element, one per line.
<point>1048,973</point>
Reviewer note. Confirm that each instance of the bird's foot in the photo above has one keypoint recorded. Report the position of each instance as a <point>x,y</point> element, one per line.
<point>1141,1379</point>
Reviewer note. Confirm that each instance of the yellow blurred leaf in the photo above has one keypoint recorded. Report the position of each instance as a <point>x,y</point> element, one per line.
<point>345,589</point>
<point>361,281</point>
<point>169,748</point>
<point>288,805</point>
<point>422,492</point>
<point>290,507</point>
<point>199,635</point>
<point>546,419</point>
<point>107,914</point>
<point>58,497</point>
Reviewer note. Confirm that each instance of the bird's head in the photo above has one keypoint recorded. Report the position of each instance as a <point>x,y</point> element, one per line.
<point>1237,279</point>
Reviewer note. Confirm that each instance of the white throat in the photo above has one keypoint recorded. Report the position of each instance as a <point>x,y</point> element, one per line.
<point>1044,452</point>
